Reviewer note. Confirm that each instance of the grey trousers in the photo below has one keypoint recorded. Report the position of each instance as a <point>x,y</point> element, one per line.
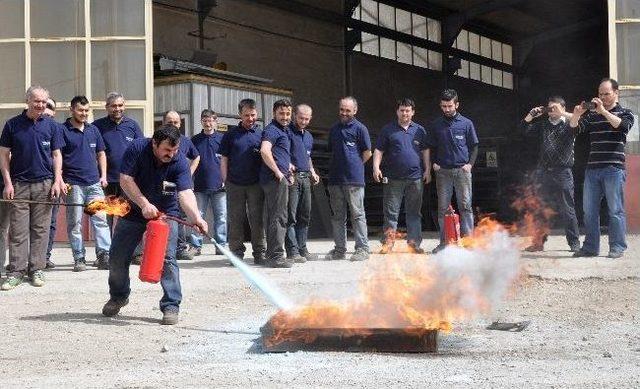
<point>276,196</point>
<point>4,228</point>
<point>343,197</point>
<point>29,232</point>
<point>245,201</point>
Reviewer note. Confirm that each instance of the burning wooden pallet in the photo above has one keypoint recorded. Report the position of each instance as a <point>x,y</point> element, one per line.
<point>383,340</point>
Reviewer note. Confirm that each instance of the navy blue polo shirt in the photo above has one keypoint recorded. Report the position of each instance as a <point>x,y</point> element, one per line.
<point>117,137</point>
<point>301,147</point>
<point>348,142</point>
<point>31,143</point>
<point>242,148</point>
<point>187,148</point>
<point>452,138</point>
<point>79,161</point>
<point>402,150</point>
<point>207,176</point>
<point>140,163</point>
<point>278,136</point>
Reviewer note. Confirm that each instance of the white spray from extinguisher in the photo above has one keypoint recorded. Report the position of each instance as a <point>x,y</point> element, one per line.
<point>256,279</point>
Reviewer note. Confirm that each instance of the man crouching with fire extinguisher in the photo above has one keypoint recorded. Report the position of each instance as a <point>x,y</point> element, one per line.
<point>154,176</point>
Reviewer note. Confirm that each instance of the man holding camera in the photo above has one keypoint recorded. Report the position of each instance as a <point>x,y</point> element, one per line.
<point>607,124</point>
<point>553,175</point>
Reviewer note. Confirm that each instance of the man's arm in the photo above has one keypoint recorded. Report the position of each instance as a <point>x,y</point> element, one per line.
<point>267,158</point>
<point>426,161</point>
<point>58,186</point>
<point>102,168</point>
<point>365,156</point>
<point>314,176</point>
<point>131,189</point>
<point>193,164</point>
<point>5,157</point>
<point>224,163</point>
<point>190,207</point>
<point>377,160</point>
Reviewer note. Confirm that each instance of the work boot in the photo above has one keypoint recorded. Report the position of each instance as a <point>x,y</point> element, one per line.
<point>297,258</point>
<point>615,254</point>
<point>103,261</point>
<point>258,259</point>
<point>184,255</point>
<point>335,255</point>
<point>359,255</point>
<point>170,316</point>
<point>438,248</point>
<point>194,251</point>
<point>50,264</point>
<point>534,248</point>
<point>281,262</point>
<point>11,282</point>
<point>37,278</point>
<point>309,256</point>
<point>574,247</point>
<point>583,253</point>
<point>112,307</point>
<point>80,265</point>
<point>415,249</point>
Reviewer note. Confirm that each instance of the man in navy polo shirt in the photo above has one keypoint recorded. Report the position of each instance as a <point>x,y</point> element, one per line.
<point>240,170</point>
<point>84,167</point>
<point>118,131</point>
<point>207,180</point>
<point>406,166</point>
<point>275,178</point>
<point>31,164</point>
<point>351,146</point>
<point>455,143</point>
<point>156,178</point>
<point>300,191</point>
<point>185,253</point>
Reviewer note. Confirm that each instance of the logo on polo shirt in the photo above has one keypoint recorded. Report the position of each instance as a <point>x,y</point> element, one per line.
<point>256,150</point>
<point>416,142</point>
<point>308,152</point>
<point>460,137</point>
<point>128,138</point>
<point>92,145</point>
<point>46,143</point>
<point>351,144</point>
<point>218,155</point>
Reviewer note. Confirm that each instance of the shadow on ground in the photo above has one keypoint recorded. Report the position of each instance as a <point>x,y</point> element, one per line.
<point>91,318</point>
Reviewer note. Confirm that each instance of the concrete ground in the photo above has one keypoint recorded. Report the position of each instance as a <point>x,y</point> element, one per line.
<point>584,331</point>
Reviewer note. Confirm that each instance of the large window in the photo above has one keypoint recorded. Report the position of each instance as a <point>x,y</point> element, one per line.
<point>488,48</point>
<point>392,18</point>
<point>73,47</point>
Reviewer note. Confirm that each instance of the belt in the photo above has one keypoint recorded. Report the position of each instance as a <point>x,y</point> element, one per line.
<point>303,174</point>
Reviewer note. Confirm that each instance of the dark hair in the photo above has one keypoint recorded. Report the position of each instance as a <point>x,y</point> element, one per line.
<point>557,99</point>
<point>448,95</point>
<point>282,103</point>
<point>167,132</point>
<point>614,83</point>
<point>82,100</point>
<point>246,103</point>
<point>207,113</point>
<point>405,102</point>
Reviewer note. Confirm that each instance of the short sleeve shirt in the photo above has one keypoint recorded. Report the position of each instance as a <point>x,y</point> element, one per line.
<point>278,136</point>
<point>451,139</point>
<point>301,148</point>
<point>79,154</point>
<point>31,143</point>
<point>242,147</point>
<point>160,184</point>
<point>402,158</point>
<point>348,141</point>
<point>188,149</point>
<point>117,137</point>
<point>207,176</point>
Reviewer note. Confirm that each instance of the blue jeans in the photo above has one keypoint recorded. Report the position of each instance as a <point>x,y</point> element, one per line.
<point>607,182</point>
<point>555,185</point>
<point>448,180</point>
<point>393,193</point>
<point>343,197</point>
<point>217,200</point>
<point>84,195</point>
<point>126,236</point>
<point>299,215</point>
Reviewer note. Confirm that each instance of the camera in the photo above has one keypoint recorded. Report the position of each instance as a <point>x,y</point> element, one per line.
<point>546,109</point>
<point>590,105</point>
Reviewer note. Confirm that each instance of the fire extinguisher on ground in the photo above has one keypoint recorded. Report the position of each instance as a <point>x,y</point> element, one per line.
<point>451,226</point>
<point>155,248</point>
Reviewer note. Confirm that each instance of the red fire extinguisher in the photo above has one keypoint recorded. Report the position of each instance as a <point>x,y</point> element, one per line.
<point>155,248</point>
<point>451,226</point>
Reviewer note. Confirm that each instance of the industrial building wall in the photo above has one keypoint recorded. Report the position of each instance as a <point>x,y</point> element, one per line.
<point>297,52</point>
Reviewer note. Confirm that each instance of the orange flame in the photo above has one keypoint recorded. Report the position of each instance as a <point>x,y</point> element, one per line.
<point>535,214</point>
<point>396,291</point>
<point>111,205</point>
<point>394,242</point>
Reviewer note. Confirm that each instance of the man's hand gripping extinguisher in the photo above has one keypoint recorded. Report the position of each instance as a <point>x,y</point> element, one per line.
<point>451,226</point>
